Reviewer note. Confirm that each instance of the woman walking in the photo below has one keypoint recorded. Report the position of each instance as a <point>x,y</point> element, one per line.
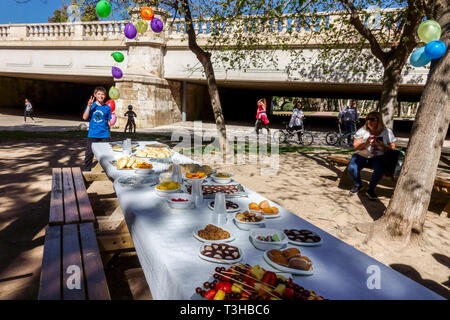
<point>261,116</point>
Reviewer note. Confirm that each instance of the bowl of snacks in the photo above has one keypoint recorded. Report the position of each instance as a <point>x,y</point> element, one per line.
<point>267,239</point>
<point>167,187</point>
<point>190,177</point>
<point>247,220</point>
<point>179,200</point>
<point>221,177</point>
<point>142,167</point>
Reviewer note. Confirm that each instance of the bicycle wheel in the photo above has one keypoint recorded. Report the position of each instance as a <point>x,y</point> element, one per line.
<point>307,139</point>
<point>279,136</point>
<point>331,138</point>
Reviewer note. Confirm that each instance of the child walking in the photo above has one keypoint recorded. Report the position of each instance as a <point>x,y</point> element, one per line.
<point>130,123</point>
<point>99,116</point>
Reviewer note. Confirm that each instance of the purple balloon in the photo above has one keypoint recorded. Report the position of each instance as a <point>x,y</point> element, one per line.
<point>116,72</point>
<point>130,31</point>
<point>157,25</point>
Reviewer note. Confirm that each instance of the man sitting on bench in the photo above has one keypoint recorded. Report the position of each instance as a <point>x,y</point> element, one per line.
<point>372,141</point>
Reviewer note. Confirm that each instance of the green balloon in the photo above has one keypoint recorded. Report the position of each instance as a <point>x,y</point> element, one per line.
<point>141,26</point>
<point>103,9</point>
<point>114,93</point>
<point>429,30</point>
<point>118,56</point>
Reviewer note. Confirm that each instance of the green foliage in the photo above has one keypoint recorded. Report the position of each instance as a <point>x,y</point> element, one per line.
<point>59,15</point>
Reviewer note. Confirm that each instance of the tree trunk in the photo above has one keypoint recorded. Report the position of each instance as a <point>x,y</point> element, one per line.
<point>391,83</point>
<point>409,205</point>
<point>205,59</point>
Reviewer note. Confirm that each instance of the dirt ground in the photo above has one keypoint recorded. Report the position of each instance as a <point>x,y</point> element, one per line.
<point>305,184</point>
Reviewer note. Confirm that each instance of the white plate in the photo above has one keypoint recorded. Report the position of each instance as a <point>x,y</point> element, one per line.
<point>137,181</point>
<point>305,244</point>
<point>221,261</point>
<point>286,269</point>
<point>228,210</point>
<point>247,225</point>
<point>196,236</point>
<point>266,216</point>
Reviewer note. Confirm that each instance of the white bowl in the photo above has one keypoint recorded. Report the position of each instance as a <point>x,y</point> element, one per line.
<point>143,171</point>
<point>166,192</point>
<point>264,245</point>
<point>190,181</point>
<point>181,204</point>
<point>222,180</point>
<point>248,225</point>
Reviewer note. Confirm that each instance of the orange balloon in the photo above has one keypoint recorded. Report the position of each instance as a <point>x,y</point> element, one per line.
<point>147,13</point>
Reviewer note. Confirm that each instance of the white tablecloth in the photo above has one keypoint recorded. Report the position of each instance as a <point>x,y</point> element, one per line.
<point>168,252</point>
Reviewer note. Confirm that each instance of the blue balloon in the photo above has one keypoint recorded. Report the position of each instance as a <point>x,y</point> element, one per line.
<point>435,49</point>
<point>419,58</point>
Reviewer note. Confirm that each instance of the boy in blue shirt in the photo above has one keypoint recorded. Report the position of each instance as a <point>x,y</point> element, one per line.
<point>99,116</point>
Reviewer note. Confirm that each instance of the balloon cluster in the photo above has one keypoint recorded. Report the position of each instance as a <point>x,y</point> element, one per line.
<point>430,33</point>
<point>131,30</point>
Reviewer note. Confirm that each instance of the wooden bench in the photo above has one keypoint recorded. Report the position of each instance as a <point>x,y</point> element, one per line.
<point>72,268</point>
<point>69,199</point>
<point>440,184</point>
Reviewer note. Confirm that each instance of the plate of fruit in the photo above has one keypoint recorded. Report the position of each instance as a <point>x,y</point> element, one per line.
<point>246,282</point>
<point>265,209</point>
<point>303,237</point>
<point>289,260</point>
<point>230,206</point>
<point>220,253</point>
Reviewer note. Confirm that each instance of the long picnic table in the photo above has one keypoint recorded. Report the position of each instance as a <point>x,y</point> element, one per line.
<point>168,252</point>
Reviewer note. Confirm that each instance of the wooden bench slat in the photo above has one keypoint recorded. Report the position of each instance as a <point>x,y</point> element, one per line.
<point>56,201</point>
<point>72,257</point>
<point>97,287</point>
<point>84,205</point>
<point>50,282</point>
<point>70,200</point>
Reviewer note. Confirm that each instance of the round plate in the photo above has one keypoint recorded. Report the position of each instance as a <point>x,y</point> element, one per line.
<point>196,236</point>
<point>228,210</point>
<point>286,269</point>
<point>221,261</point>
<point>305,244</point>
<point>271,216</point>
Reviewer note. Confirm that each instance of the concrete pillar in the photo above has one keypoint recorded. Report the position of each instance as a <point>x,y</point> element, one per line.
<point>184,101</point>
<point>143,85</point>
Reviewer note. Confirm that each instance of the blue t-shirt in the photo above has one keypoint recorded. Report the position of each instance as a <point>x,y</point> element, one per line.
<point>98,121</point>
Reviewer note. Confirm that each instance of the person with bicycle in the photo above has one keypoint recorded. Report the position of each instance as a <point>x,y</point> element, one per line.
<point>348,117</point>
<point>371,142</point>
<point>296,122</point>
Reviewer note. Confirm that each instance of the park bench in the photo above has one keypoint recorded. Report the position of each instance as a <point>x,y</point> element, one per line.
<point>72,267</point>
<point>69,201</point>
<point>441,184</point>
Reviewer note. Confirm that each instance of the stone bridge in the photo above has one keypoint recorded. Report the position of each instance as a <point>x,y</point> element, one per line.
<point>162,77</point>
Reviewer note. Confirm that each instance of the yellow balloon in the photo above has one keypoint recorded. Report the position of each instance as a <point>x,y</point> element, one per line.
<point>141,26</point>
<point>114,93</point>
<point>429,30</point>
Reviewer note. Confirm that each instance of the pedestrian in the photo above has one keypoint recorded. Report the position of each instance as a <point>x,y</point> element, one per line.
<point>372,141</point>
<point>348,118</point>
<point>130,123</point>
<point>261,116</point>
<point>28,111</point>
<point>99,116</point>
<point>296,122</point>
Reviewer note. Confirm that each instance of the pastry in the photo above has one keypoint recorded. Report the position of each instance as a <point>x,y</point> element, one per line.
<point>278,257</point>
<point>264,204</point>
<point>300,263</point>
<point>291,252</point>
<point>122,163</point>
<point>254,206</point>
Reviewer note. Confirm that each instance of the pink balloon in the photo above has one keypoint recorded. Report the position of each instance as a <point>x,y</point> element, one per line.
<point>113,119</point>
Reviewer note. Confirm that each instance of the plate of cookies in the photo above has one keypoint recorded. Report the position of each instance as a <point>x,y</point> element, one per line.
<point>220,253</point>
<point>212,233</point>
<point>264,208</point>
<point>289,260</point>
<point>303,237</point>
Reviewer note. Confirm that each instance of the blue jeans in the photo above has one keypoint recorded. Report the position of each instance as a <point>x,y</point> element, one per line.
<point>348,128</point>
<point>359,162</point>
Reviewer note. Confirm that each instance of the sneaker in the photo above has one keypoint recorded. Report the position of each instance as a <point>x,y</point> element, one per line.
<point>371,195</point>
<point>355,190</point>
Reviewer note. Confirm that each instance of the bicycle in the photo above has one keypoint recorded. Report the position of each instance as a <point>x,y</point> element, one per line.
<point>300,136</point>
<point>332,137</point>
